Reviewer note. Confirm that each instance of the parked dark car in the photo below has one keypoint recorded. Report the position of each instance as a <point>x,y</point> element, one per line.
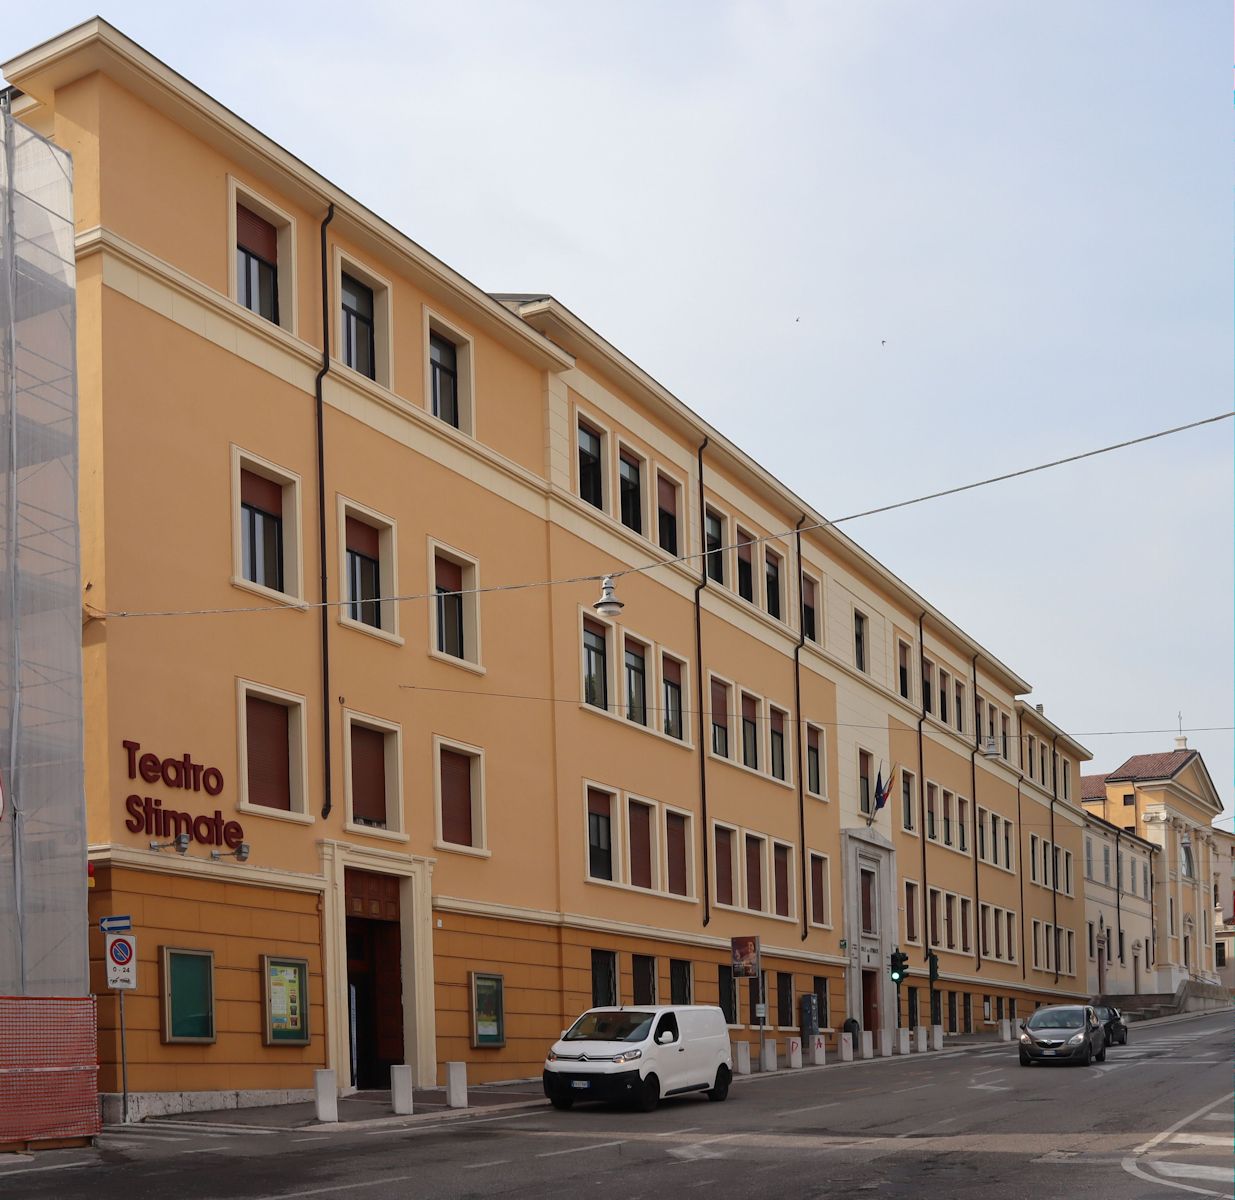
<point>1063,1033</point>
<point>1114,1024</point>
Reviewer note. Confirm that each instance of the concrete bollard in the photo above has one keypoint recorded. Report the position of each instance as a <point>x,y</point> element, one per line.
<point>818,1051</point>
<point>741,1058</point>
<point>920,1040</point>
<point>793,1052</point>
<point>902,1041</point>
<point>844,1046</point>
<point>325,1097</point>
<point>456,1085</point>
<point>1005,1030</point>
<point>401,1090</point>
<point>767,1055</point>
<point>936,1037</point>
<point>883,1047</point>
<point>868,1044</point>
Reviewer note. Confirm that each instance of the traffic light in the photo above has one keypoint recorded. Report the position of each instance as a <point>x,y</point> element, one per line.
<point>899,965</point>
<point>933,960</point>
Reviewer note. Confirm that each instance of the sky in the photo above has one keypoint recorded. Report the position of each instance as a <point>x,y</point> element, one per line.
<point>885,247</point>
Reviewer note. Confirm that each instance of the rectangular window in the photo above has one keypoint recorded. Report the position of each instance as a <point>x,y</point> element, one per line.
<point>667,513</point>
<point>591,470</point>
<point>907,800</point>
<point>814,775</point>
<point>1220,954</point>
<point>444,379</point>
<point>859,640</point>
<point>359,351</point>
<point>865,783</point>
<point>671,682</point>
<point>819,889</point>
<point>261,530</point>
<point>948,821</point>
<point>810,609</point>
<point>1106,864</point>
<point>604,979</point>
<point>995,840</point>
<point>1007,852</point>
<point>959,708</point>
<point>1042,755</point>
<point>188,995</point>
<point>945,683</point>
<point>932,802</point>
<point>949,921</point>
<point>746,574</point>
<point>1010,930</point>
<point>1004,737</point>
<point>1129,800</point>
<point>257,264</point>
<point>1067,780</point>
<point>902,668</point>
<point>1032,755</point>
<point>643,978</point>
<point>784,1000</point>
<point>727,993</point>
<point>364,573</point>
<point>724,865</point>
<point>771,572</point>
<point>776,721</point>
<point>268,734</point>
<point>984,929</point>
<point>460,792</point>
<point>448,585</point>
<point>714,545</point>
<point>820,988</point>
<point>933,902</point>
<point>998,930</point>
<point>630,486</point>
<point>780,878</point>
<point>368,775</point>
<point>595,664</point>
<point>720,718</point>
<point>868,903</point>
<point>599,834</point>
<point>1145,880</point>
<point>754,872</point>
<point>981,824</point>
<point>676,839</point>
<point>639,824</point>
<point>911,912</point>
<point>962,823</point>
<point>966,918</point>
<point>928,686</point>
<point>750,732</point>
<point>679,981</point>
<point>636,683</point>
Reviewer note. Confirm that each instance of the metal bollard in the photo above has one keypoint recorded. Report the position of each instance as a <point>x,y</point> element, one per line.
<point>401,1090</point>
<point>456,1085</point>
<point>325,1097</point>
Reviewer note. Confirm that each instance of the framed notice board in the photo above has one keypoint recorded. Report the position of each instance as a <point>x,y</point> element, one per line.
<point>488,1009</point>
<point>285,1000</point>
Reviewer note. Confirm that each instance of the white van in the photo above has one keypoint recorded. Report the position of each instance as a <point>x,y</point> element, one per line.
<point>640,1053</point>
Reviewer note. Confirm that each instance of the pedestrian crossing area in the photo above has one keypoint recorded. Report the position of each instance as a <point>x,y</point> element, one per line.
<point>176,1137</point>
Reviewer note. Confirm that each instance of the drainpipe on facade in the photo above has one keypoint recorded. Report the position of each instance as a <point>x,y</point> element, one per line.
<point>700,723</point>
<point>1055,856</point>
<point>973,789</point>
<point>797,713</point>
<point>926,894</point>
<point>327,789</point>
<point>1151,951</point>
<point>1020,871</point>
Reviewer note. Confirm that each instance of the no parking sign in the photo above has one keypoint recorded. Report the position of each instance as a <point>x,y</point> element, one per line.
<point>121,958</point>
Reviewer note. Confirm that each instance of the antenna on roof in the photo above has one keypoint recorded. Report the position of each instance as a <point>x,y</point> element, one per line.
<point>1181,742</point>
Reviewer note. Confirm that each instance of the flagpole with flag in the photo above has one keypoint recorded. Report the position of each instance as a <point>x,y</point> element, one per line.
<point>882,791</point>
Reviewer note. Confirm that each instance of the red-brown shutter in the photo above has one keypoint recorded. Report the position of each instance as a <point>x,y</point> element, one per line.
<point>720,704</point>
<point>261,493</point>
<point>269,753</point>
<point>368,774</point>
<point>641,845</point>
<point>256,235</point>
<point>778,721</point>
<point>754,872</point>
<point>362,538</point>
<point>666,494</point>
<point>598,802</point>
<point>447,575</point>
<point>672,670</point>
<point>781,860</point>
<point>456,772</point>
<point>817,907</point>
<point>744,546</point>
<point>595,627</point>
<point>808,592</point>
<point>812,739</point>
<point>750,708</point>
<point>724,866</point>
<point>675,844</point>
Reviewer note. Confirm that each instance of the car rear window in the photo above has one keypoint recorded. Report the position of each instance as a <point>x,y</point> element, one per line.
<point>624,1026</point>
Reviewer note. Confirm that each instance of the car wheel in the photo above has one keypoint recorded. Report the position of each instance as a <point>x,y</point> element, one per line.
<point>562,1101</point>
<point>1123,1041</point>
<point>1102,1054</point>
<point>1025,1059</point>
<point>1088,1059</point>
<point>721,1089</point>
<point>649,1094</point>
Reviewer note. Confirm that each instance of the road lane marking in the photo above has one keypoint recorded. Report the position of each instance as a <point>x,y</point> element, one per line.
<point>33,1170</point>
<point>1200,1139</point>
<point>1133,1166</point>
<point>1218,1117</point>
<point>688,1129</point>
<point>1181,1170</point>
<point>793,1112</point>
<point>496,1162</point>
<point>920,1086</point>
<point>579,1149</point>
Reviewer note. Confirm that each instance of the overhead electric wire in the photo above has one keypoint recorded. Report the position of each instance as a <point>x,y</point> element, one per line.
<point>661,562</point>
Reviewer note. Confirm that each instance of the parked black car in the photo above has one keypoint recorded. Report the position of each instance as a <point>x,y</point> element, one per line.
<point>1114,1024</point>
<point>1063,1033</point>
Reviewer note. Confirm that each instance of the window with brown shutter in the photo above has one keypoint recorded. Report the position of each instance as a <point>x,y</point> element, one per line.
<point>448,582</point>
<point>720,718</point>
<point>364,582</point>
<point>675,845</point>
<point>268,753</point>
<point>362,538</point>
<point>256,234</point>
<point>368,776</point>
<point>724,866</point>
<point>781,861</point>
<point>456,775</point>
<point>257,257</point>
<point>259,492</point>
<point>261,530</point>
<point>667,513</point>
<point>640,845</point>
<point>750,732</point>
<point>818,893</point>
<point>754,872</point>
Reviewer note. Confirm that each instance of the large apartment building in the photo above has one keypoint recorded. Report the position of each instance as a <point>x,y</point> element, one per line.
<point>344,517</point>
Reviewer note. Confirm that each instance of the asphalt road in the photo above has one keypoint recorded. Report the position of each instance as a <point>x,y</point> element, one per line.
<point>1154,1121</point>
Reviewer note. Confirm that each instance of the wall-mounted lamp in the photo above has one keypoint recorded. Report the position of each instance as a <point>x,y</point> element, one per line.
<point>180,843</point>
<point>240,854</point>
<point>608,605</point>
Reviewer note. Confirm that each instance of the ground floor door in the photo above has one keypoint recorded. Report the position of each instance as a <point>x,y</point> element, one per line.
<point>374,978</point>
<point>968,1006</point>
<point>870,1000</point>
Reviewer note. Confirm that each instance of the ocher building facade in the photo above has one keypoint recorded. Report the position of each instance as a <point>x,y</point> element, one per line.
<point>310,453</point>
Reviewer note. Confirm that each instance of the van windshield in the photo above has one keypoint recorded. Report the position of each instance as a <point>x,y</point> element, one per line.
<point>1057,1018</point>
<point>625,1026</point>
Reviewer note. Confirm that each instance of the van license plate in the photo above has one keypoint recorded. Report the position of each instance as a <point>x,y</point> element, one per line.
<point>580,1083</point>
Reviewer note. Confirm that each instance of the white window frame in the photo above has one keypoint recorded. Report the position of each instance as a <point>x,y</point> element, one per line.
<point>656,855</point>
<point>782,556</point>
<point>819,639</point>
<point>787,724</point>
<point>680,507</point>
<point>613,686</point>
<point>737,861</point>
<point>821,730</point>
<point>617,834</point>
<point>285,269</point>
<point>479,806</point>
<point>465,369</point>
<point>383,320</point>
<point>469,565</point>
<point>387,568</point>
<point>298,753</point>
<point>392,735</point>
<point>827,889</point>
<point>917,909</point>
<point>662,826</point>
<point>646,471</point>
<point>584,416</point>
<point>764,878</point>
<point>914,804</point>
<point>791,877</point>
<point>293,550</point>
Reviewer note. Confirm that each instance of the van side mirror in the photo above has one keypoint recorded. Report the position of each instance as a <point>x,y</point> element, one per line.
<point>562,1035</point>
<point>664,1037</point>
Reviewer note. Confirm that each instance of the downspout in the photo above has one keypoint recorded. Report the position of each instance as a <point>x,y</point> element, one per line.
<point>321,520</point>
<point>973,843</point>
<point>1055,857</point>
<point>1119,887</point>
<point>797,713</point>
<point>1020,875</point>
<point>926,892</point>
<point>700,724</point>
